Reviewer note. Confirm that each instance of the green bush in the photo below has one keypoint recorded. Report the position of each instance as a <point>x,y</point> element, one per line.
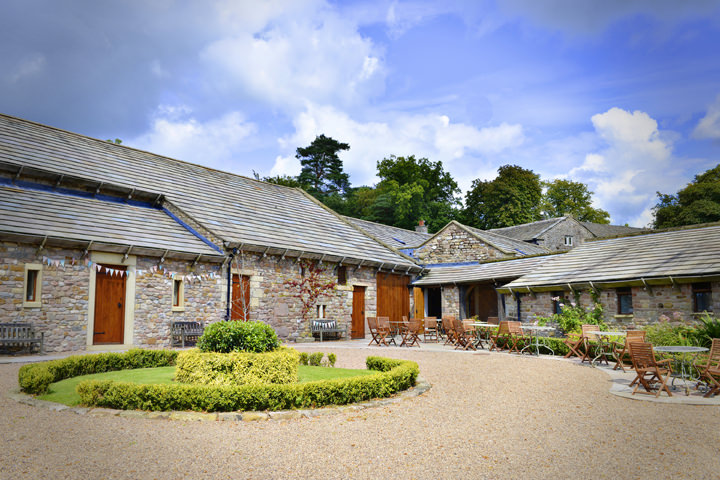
<point>304,358</point>
<point>225,337</point>
<point>332,358</point>
<point>237,368</point>
<point>315,359</point>
<point>709,329</point>
<point>35,378</point>
<point>663,333</point>
<point>392,376</point>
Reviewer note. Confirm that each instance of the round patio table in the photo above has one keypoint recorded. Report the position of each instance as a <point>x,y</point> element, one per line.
<point>534,329</point>
<point>679,353</point>
<point>604,347</point>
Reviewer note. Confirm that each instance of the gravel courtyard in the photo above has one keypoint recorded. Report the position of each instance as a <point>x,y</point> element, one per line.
<point>486,416</point>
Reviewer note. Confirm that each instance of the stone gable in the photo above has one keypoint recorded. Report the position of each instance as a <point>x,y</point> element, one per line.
<point>454,245</point>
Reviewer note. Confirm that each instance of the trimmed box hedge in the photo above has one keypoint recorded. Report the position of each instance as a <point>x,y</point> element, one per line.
<point>392,376</point>
<point>35,378</point>
<point>237,368</point>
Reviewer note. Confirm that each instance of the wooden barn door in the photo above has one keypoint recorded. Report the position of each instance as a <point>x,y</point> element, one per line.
<point>357,329</point>
<point>419,302</point>
<point>240,308</point>
<point>393,297</point>
<point>109,306</point>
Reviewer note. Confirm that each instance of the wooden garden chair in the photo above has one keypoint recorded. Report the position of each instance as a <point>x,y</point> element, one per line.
<point>500,339</point>
<point>385,332</point>
<point>447,323</point>
<point>517,337</point>
<point>620,349</point>
<point>575,340</point>
<point>648,370</point>
<point>709,373</point>
<point>373,327</point>
<point>587,338</point>
<point>465,335</point>
<point>431,329</point>
<point>411,335</point>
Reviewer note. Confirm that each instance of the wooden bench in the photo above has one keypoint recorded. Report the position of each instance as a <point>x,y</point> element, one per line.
<point>186,333</point>
<point>19,337</point>
<point>321,327</point>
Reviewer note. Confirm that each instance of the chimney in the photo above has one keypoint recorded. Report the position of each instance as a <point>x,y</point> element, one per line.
<point>421,227</point>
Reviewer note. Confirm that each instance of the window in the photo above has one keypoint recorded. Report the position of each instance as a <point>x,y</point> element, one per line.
<point>702,297</point>
<point>568,240</point>
<point>178,295</point>
<point>320,311</point>
<point>558,299</point>
<point>624,301</point>
<point>33,285</point>
<point>342,275</point>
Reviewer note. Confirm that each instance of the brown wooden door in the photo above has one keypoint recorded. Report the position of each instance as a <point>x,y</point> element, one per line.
<point>393,297</point>
<point>419,301</point>
<point>240,308</point>
<point>483,302</point>
<point>357,329</point>
<point>109,306</point>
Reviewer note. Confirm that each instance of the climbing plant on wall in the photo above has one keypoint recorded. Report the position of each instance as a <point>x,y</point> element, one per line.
<point>311,286</point>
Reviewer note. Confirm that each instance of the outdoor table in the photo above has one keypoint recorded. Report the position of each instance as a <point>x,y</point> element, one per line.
<point>680,358</point>
<point>534,329</point>
<point>482,326</point>
<point>604,347</point>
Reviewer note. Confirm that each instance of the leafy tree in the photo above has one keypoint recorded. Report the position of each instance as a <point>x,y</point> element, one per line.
<point>512,198</point>
<point>564,197</point>
<point>322,170</point>
<point>698,202</point>
<point>285,180</point>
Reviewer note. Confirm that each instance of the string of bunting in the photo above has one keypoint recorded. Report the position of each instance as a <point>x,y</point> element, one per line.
<point>155,269</point>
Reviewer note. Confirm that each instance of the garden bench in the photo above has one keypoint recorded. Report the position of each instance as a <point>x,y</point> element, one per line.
<point>20,337</point>
<point>186,333</point>
<point>321,327</point>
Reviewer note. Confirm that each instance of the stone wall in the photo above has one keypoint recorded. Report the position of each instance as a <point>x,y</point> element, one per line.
<point>450,300</point>
<point>455,244</point>
<point>554,239</point>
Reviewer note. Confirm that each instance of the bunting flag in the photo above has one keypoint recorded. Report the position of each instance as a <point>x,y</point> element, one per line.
<point>153,270</point>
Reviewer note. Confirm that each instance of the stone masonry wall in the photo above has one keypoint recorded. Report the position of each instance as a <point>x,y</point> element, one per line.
<point>451,300</point>
<point>554,239</point>
<point>456,245</point>
<point>62,315</point>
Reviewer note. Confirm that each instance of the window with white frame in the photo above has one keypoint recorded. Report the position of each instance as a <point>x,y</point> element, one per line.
<point>320,311</point>
<point>568,240</point>
<point>32,285</point>
<point>178,295</point>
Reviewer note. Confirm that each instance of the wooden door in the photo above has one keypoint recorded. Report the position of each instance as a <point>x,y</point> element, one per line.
<point>109,305</point>
<point>483,302</point>
<point>419,301</point>
<point>357,329</point>
<point>240,308</point>
<point>393,297</point>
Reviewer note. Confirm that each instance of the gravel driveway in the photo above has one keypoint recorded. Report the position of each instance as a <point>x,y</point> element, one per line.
<point>486,416</point>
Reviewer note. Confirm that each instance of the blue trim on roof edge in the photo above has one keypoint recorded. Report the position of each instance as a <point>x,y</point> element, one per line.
<point>192,230</point>
<point>456,264</point>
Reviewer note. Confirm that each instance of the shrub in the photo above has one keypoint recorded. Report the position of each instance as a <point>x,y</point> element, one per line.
<point>304,358</point>
<point>35,378</point>
<point>315,359</point>
<point>332,358</point>
<point>392,377</point>
<point>709,329</point>
<point>663,333</point>
<point>573,316</point>
<point>237,368</point>
<point>225,337</point>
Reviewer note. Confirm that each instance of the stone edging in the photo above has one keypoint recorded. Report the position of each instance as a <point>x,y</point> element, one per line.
<point>420,387</point>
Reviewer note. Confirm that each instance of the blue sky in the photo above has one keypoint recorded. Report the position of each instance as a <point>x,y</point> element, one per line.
<point>622,95</point>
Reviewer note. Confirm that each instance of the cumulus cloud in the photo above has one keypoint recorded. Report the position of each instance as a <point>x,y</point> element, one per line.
<point>636,161</point>
<point>435,137</point>
<point>177,134</point>
<point>709,125</point>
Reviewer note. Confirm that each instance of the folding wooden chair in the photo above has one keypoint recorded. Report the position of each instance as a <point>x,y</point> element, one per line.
<point>575,340</point>
<point>709,373</point>
<point>447,323</point>
<point>431,329</point>
<point>373,327</point>
<point>411,332</point>
<point>517,337</point>
<point>620,349</point>
<point>385,333</point>
<point>587,338</point>
<point>648,370</point>
<point>500,339</point>
<point>464,335</point>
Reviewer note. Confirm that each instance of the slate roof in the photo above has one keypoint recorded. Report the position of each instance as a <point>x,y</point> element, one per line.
<point>601,230</point>
<point>59,216</point>
<point>237,209</point>
<point>505,243</point>
<point>528,231</point>
<point>689,252</point>
<point>394,236</point>
<point>501,270</point>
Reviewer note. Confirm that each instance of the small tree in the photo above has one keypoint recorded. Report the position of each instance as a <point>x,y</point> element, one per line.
<point>310,287</point>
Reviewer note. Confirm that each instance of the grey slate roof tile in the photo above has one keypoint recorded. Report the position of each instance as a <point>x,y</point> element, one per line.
<point>393,236</point>
<point>502,270</point>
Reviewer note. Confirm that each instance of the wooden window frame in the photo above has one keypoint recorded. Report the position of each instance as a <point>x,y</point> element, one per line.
<point>342,275</point>
<point>624,292</point>
<point>36,301</point>
<point>701,288</point>
<point>178,296</point>
<point>556,309</point>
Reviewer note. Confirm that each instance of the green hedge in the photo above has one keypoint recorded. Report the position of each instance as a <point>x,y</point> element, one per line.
<point>392,376</point>
<point>35,378</point>
<point>232,336</point>
<point>237,368</point>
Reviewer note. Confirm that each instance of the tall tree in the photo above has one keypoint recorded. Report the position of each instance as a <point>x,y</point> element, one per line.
<point>285,180</point>
<point>322,170</point>
<point>698,202</point>
<point>564,197</point>
<point>412,189</point>
<point>512,198</point>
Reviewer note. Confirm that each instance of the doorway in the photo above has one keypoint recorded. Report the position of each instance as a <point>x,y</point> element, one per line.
<point>109,326</point>
<point>357,328</point>
<point>434,302</point>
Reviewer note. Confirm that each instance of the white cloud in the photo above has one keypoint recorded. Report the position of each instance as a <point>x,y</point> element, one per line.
<point>176,134</point>
<point>287,53</point>
<point>28,67</point>
<point>435,137</point>
<point>709,125</point>
<point>637,161</point>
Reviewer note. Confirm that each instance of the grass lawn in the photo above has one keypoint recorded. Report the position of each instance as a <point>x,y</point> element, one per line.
<point>64,390</point>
